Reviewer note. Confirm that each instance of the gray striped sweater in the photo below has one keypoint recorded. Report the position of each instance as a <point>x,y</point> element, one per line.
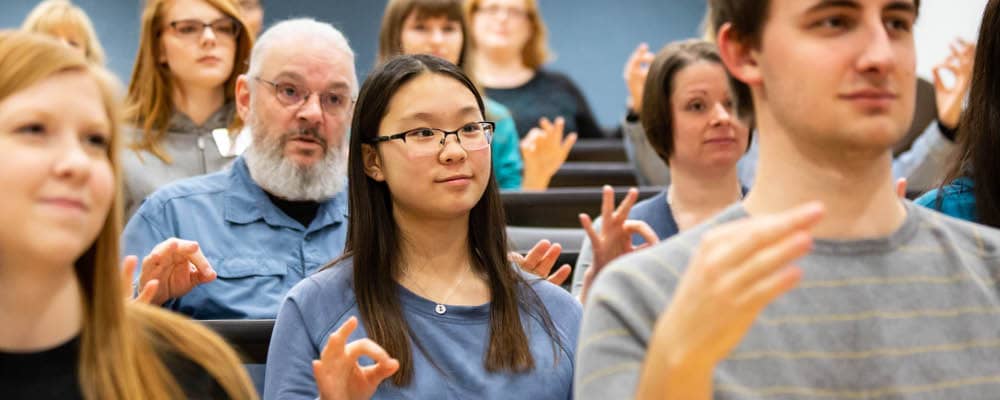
<point>915,315</point>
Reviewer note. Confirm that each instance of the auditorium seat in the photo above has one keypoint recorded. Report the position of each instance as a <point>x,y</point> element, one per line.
<point>250,337</point>
<point>594,174</point>
<point>560,207</point>
<point>598,150</point>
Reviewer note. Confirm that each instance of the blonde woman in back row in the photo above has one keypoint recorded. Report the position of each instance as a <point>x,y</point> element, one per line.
<point>68,23</point>
<point>180,99</point>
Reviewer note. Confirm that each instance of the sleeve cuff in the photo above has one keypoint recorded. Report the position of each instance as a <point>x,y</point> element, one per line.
<point>948,133</point>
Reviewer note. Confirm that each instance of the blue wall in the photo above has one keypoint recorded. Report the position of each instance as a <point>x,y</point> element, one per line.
<point>591,38</point>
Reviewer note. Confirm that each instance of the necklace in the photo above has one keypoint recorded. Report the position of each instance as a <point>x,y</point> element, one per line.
<point>439,307</point>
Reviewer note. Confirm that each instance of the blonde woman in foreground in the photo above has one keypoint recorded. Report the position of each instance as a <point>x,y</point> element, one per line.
<point>68,330</point>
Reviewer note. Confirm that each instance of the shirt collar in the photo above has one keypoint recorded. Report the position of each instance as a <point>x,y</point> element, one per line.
<point>246,202</point>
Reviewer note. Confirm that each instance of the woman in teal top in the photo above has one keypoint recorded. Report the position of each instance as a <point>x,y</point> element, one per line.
<point>438,28</point>
<point>971,189</point>
<point>956,199</point>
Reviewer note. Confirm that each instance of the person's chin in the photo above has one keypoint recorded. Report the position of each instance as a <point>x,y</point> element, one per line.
<point>212,76</point>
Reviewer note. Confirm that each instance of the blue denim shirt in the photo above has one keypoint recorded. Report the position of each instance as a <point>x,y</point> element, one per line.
<point>258,252</point>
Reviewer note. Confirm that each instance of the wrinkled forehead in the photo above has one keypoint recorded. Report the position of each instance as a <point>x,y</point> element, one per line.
<point>310,64</point>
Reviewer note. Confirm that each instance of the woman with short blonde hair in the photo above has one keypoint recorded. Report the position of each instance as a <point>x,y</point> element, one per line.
<point>69,24</point>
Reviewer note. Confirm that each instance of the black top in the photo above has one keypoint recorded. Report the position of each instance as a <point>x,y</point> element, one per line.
<point>548,94</point>
<point>52,374</point>
<point>302,211</point>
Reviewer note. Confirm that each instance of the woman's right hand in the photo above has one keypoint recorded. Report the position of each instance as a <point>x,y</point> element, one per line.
<point>338,374</point>
<point>949,99</point>
<point>544,150</point>
<point>636,70</point>
<point>736,271</point>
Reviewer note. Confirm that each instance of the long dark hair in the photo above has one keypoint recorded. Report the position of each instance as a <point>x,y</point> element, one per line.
<point>374,244</point>
<point>978,139</point>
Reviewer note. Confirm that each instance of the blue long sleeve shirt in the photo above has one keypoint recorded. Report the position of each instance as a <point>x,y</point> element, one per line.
<point>258,252</point>
<point>456,342</point>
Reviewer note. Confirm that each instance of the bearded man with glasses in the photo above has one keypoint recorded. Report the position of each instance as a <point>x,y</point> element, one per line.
<point>230,245</point>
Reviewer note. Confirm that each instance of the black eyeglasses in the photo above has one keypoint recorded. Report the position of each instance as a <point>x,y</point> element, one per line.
<point>191,29</point>
<point>429,141</point>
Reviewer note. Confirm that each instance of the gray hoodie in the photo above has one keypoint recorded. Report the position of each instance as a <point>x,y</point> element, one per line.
<point>193,151</point>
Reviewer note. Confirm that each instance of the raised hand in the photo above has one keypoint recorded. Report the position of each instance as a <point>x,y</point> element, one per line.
<point>636,70</point>
<point>540,260</point>
<point>949,98</point>
<point>615,237</point>
<point>178,265</point>
<point>128,289</point>
<point>736,271</point>
<point>338,374</point>
<point>544,150</point>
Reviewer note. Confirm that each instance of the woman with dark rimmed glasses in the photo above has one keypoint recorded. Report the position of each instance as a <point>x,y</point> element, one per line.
<point>424,303</point>
<point>180,99</point>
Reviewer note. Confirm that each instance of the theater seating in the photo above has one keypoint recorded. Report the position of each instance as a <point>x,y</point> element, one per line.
<point>593,174</point>
<point>250,337</point>
<point>598,150</point>
<point>560,207</point>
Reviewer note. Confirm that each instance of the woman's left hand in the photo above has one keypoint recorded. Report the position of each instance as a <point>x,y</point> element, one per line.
<point>540,260</point>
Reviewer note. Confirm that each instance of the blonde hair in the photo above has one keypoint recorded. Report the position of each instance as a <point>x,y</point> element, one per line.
<point>536,52</point>
<point>149,105</point>
<point>122,344</point>
<point>53,16</point>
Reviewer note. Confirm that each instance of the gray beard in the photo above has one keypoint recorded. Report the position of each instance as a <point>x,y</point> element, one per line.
<point>284,178</point>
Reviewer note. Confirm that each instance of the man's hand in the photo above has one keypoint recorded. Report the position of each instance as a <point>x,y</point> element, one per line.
<point>178,265</point>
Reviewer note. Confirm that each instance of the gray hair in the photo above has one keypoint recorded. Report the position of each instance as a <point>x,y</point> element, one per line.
<point>300,30</point>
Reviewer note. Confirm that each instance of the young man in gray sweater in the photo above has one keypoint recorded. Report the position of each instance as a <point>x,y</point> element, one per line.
<point>822,283</point>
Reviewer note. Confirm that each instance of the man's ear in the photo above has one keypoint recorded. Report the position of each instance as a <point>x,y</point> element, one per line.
<point>739,56</point>
<point>372,162</point>
<point>243,97</point>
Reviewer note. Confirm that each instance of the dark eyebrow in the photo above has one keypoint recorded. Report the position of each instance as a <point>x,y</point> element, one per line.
<point>828,4</point>
<point>907,6</point>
